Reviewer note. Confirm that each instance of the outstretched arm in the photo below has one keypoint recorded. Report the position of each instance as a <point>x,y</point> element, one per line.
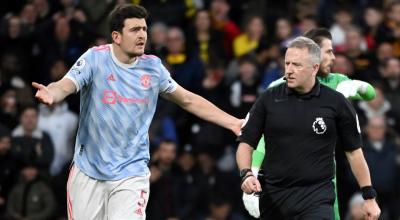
<point>204,109</point>
<point>356,90</point>
<point>55,92</point>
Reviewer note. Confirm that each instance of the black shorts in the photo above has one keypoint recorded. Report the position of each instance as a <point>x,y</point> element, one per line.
<point>312,202</point>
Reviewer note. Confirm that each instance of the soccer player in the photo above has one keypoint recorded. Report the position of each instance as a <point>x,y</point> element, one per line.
<point>301,120</point>
<point>119,87</point>
<point>351,89</point>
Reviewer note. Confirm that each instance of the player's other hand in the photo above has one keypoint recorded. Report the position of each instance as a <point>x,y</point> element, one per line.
<point>251,203</point>
<point>371,209</point>
<point>251,185</point>
<point>43,94</point>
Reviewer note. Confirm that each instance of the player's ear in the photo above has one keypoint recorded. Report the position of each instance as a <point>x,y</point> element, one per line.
<point>116,37</point>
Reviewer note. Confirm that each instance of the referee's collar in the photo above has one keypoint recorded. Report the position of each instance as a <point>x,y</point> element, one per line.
<point>314,91</point>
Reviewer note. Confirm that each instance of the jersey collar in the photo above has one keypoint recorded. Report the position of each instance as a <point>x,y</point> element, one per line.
<point>119,63</point>
<point>314,91</point>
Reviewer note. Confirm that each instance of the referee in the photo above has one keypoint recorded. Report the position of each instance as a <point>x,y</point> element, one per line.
<point>301,120</point>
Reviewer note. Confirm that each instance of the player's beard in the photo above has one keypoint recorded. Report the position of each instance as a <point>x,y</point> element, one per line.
<point>133,54</point>
<point>323,72</point>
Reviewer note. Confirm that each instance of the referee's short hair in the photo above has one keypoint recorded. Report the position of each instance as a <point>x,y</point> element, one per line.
<point>313,48</point>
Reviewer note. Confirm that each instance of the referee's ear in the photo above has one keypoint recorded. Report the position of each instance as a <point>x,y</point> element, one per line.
<point>315,69</point>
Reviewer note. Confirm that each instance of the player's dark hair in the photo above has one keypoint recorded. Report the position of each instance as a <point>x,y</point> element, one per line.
<point>318,35</point>
<point>125,11</point>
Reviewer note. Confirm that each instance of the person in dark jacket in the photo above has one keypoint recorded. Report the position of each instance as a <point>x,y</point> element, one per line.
<point>30,198</point>
<point>30,143</point>
<point>8,172</point>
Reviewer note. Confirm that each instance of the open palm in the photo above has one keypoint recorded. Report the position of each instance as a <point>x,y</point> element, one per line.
<point>43,94</point>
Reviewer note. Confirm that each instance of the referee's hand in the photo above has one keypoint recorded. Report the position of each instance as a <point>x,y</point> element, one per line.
<point>371,209</point>
<point>251,185</point>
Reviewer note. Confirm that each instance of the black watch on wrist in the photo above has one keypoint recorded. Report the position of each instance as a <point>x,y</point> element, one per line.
<point>368,192</point>
<point>244,172</point>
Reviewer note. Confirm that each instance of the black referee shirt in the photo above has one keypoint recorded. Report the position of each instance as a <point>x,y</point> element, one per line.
<point>300,133</point>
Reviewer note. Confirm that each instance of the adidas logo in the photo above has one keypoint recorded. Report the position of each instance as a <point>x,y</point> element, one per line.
<point>139,212</point>
<point>111,77</point>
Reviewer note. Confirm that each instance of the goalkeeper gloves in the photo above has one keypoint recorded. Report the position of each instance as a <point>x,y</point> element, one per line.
<point>350,88</point>
<point>251,201</point>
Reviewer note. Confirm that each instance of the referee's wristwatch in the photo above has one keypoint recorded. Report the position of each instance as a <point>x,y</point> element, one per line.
<point>244,172</point>
<point>368,192</point>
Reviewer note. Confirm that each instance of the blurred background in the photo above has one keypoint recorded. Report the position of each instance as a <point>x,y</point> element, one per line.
<point>228,51</point>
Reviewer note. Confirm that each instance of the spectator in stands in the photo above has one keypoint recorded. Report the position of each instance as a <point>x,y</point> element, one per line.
<point>28,17</point>
<point>244,91</point>
<point>247,42</point>
<point>342,64</point>
<point>31,144</point>
<point>374,28</point>
<point>157,40</point>
<point>187,184</point>
<point>356,49</point>
<point>31,198</point>
<point>380,154</point>
<point>43,9</point>
<point>16,47</point>
<point>343,22</point>
<point>204,40</point>
<point>393,25</point>
<point>163,201</point>
<point>61,124</point>
<point>8,171</point>
<point>284,31</point>
<point>379,106</point>
<point>219,10</point>
<point>390,73</point>
<point>185,67</point>
<point>8,107</point>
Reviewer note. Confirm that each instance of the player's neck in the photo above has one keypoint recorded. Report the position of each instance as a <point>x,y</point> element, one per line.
<point>322,74</point>
<point>121,56</point>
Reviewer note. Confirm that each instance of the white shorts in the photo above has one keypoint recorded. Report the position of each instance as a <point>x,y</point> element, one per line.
<point>91,199</point>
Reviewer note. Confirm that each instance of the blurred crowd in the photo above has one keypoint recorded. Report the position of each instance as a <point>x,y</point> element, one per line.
<point>228,51</point>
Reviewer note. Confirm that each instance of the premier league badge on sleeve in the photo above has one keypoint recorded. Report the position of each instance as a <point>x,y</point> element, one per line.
<point>80,63</point>
<point>319,126</point>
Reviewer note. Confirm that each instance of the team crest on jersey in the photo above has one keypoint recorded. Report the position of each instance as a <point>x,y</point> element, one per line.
<point>319,126</point>
<point>145,81</point>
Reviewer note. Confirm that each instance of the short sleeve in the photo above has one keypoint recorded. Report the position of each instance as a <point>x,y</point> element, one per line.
<point>167,84</point>
<point>81,72</point>
<point>253,127</point>
<point>348,127</point>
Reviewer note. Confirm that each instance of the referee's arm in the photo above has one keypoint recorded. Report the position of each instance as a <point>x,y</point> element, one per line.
<point>251,132</point>
<point>359,167</point>
<point>243,155</point>
<point>350,134</point>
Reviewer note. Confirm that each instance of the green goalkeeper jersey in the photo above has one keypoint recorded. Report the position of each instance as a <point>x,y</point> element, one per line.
<point>332,80</point>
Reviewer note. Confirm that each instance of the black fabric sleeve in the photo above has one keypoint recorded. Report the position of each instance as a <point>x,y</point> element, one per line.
<point>253,126</point>
<point>348,127</point>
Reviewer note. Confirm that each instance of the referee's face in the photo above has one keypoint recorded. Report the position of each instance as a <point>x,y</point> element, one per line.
<point>299,71</point>
<point>133,38</point>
